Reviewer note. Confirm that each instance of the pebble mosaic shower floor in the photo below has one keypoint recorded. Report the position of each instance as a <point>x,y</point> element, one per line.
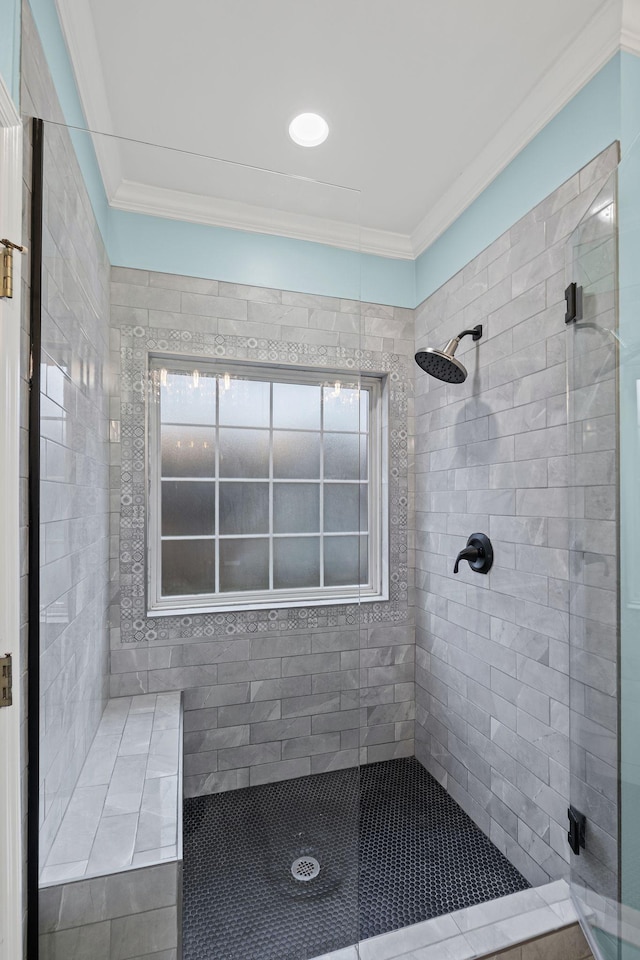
<point>392,846</point>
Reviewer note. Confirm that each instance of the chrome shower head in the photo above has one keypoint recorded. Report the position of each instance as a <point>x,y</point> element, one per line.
<point>442,364</point>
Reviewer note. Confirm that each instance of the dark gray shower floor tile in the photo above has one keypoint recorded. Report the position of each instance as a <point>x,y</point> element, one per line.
<point>392,845</point>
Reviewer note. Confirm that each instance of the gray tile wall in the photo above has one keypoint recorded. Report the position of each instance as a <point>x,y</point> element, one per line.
<point>269,694</point>
<point>491,455</point>
<point>74,582</point>
<point>135,914</point>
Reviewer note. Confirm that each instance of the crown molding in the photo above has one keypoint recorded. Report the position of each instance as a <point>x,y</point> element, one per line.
<point>615,25</point>
<point>584,56</point>
<point>78,29</point>
<point>630,32</point>
<point>137,197</point>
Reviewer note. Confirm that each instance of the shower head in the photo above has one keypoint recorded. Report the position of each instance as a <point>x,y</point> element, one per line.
<point>442,364</point>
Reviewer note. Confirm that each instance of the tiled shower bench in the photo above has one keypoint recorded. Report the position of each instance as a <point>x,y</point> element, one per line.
<point>110,888</point>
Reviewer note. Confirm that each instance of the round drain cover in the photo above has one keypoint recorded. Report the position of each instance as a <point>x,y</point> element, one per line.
<point>305,868</point>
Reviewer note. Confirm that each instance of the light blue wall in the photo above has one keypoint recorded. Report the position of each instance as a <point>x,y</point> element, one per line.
<point>584,127</point>
<point>10,47</point>
<point>171,246</point>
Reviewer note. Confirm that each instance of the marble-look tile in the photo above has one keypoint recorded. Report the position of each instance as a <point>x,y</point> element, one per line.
<point>75,837</point>
<point>390,945</point>
<point>455,949</point>
<point>59,872</point>
<point>158,814</point>
<point>90,940</point>
<point>154,856</point>
<point>554,892</point>
<point>144,933</point>
<point>505,933</point>
<point>98,767</point>
<point>136,737</point>
<point>138,891</point>
<point>164,752</point>
<point>125,789</point>
<point>114,843</point>
<point>504,907</point>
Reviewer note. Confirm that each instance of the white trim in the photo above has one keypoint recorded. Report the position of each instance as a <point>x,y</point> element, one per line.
<point>214,211</point>
<point>584,55</point>
<point>79,33</point>
<point>630,33</point>
<point>11,819</point>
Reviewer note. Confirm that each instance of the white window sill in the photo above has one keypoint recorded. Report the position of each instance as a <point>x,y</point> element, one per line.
<point>193,609</point>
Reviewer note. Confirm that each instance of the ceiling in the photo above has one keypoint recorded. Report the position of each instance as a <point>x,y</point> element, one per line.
<point>426,101</point>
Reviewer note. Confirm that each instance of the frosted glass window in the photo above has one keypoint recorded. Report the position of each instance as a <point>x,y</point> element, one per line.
<point>345,409</point>
<point>296,405</point>
<point>296,508</point>
<point>188,509</point>
<point>244,403</point>
<point>188,567</point>
<point>345,561</point>
<point>296,456</point>
<point>244,508</point>
<point>296,562</point>
<point>244,565</point>
<point>345,456</point>
<point>244,453</point>
<point>345,507</point>
<point>265,486</point>
<point>188,452</point>
<point>187,397</point>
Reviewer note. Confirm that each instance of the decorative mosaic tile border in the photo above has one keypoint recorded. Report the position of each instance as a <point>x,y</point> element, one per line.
<point>137,343</point>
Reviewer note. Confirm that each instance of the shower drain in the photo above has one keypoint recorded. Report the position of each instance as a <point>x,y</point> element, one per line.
<point>305,868</point>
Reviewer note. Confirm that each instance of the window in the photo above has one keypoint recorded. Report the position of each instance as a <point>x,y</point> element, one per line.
<point>265,486</point>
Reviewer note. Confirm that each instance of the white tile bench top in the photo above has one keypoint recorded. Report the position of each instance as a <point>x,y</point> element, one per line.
<point>126,808</point>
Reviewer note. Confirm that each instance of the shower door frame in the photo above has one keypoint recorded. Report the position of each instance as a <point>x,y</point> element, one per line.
<point>11,907</point>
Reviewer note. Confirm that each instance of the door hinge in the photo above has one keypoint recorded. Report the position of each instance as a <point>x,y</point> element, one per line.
<point>5,681</point>
<point>6,280</point>
<point>577,830</point>
<point>573,299</point>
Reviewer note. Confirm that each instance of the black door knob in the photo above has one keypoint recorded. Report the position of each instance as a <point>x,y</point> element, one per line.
<point>478,552</point>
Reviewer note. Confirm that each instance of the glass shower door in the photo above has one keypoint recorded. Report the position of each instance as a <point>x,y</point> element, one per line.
<point>205,520</point>
<point>593,350</point>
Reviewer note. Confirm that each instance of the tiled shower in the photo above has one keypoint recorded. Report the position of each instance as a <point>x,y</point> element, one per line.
<point>469,675</point>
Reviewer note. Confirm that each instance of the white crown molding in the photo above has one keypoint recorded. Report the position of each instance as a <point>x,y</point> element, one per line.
<point>79,32</point>
<point>214,211</point>
<point>630,33</point>
<point>596,43</point>
<point>615,25</point>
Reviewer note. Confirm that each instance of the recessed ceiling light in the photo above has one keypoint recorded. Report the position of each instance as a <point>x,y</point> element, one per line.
<point>309,130</point>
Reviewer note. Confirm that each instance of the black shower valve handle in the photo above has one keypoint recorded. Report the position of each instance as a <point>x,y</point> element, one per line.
<point>478,552</point>
<point>468,553</point>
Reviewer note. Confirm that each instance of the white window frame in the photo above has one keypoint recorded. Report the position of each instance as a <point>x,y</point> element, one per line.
<point>377,588</point>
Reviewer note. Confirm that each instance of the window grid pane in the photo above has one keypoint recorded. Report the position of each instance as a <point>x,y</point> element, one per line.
<point>343,420</point>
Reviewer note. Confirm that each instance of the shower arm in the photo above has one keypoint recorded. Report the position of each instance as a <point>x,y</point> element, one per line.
<point>476,333</point>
